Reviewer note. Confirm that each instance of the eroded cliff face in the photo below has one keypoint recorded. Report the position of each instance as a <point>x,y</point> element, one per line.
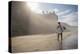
<point>43,23</point>
<point>19,18</point>
<point>25,22</point>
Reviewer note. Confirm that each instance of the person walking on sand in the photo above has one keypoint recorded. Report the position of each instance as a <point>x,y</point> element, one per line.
<point>60,30</point>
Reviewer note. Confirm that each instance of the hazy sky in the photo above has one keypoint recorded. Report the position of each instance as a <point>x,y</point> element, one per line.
<point>66,13</point>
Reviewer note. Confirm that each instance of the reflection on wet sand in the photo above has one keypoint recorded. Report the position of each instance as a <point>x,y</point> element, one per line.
<point>44,42</point>
<point>60,44</point>
<point>70,42</point>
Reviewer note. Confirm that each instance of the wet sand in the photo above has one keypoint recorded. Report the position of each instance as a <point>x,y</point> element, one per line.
<point>44,42</point>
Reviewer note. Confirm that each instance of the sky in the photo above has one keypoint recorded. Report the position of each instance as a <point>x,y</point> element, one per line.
<point>66,13</point>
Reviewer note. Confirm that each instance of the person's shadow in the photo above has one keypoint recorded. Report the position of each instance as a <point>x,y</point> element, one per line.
<point>60,44</point>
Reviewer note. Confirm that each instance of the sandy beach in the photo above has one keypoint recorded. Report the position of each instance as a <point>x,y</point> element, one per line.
<point>43,42</point>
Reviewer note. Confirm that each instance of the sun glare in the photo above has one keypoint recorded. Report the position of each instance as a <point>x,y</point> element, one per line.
<point>33,6</point>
